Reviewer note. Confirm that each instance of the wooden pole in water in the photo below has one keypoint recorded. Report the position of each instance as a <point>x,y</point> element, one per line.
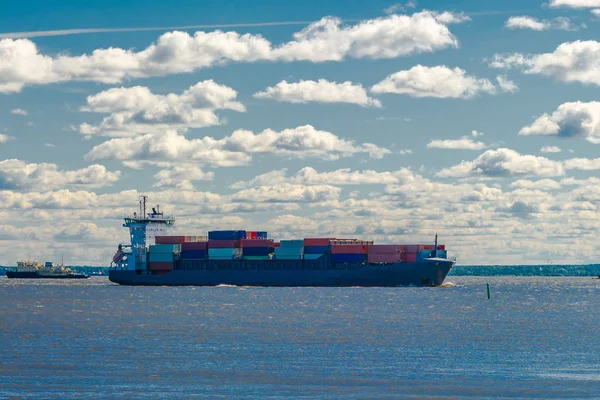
<point>488,291</point>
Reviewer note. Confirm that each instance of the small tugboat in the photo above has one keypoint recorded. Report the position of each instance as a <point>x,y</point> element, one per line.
<point>35,270</point>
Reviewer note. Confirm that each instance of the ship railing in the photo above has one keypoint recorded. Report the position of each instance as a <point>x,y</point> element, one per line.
<point>148,217</point>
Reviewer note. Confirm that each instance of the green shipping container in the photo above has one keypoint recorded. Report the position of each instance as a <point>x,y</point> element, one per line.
<point>228,252</point>
<point>288,252</point>
<point>164,248</point>
<point>291,244</point>
<point>256,257</point>
<point>160,257</point>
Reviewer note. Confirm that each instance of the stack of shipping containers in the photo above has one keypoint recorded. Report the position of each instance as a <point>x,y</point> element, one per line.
<point>290,250</point>
<point>254,245</point>
<point>385,253</point>
<point>349,251</point>
<point>227,245</point>
<point>315,248</point>
<point>161,257</point>
<point>256,249</point>
<point>224,245</point>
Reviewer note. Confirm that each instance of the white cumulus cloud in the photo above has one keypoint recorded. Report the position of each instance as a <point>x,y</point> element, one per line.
<point>138,110</point>
<point>464,143</point>
<point>236,149</point>
<point>571,62</point>
<point>321,91</point>
<point>19,175</point>
<point>288,193</point>
<point>181,177</point>
<point>550,149</point>
<point>19,111</point>
<point>525,22</point>
<point>345,176</point>
<point>5,138</point>
<point>387,37</point>
<point>169,146</point>
<point>447,17</point>
<point>543,184</point>
<point>506,85</point>
<point>303,141</point>
<point>584,164</point>
<point>394,8</point>
<point>570,120</point>
<point>328,39</point>
<point>504,163</point>
<point>574,3</point>
<point>438,81</point>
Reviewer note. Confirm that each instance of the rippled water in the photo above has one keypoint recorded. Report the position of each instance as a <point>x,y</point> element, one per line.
<point>537,337</point>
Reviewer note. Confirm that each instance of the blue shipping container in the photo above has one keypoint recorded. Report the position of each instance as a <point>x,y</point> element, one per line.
<point>312,256</point>
<point>315,249</point>
<point>261,235</point>
<point>193,254</point>
<point>256,251</point>
<point>291,244</point>
<point>348,258</point>
<point>224,235</point>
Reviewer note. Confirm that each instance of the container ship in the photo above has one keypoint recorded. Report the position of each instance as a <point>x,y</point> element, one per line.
<point>35,270</point>
<point>252,258</point>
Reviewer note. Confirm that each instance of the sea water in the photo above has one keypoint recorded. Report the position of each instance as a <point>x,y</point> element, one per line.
<point>537,337</point>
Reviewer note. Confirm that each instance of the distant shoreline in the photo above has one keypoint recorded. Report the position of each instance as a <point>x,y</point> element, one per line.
<point>460,270</point>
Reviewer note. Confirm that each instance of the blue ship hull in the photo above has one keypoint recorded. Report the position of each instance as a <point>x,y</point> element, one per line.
<point>37,275</point>
<point>430,272</point>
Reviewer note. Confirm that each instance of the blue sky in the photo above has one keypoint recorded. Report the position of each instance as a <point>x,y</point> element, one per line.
<point>380,120</point>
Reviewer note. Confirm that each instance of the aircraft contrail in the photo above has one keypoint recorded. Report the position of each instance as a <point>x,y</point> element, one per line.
<point>20,35</point>
<point>63,32</point>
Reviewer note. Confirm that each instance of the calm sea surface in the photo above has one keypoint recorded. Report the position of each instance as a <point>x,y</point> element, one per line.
<point>538,337</point>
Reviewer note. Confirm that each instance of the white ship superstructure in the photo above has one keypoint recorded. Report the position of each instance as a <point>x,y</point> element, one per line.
<point>143,229</point>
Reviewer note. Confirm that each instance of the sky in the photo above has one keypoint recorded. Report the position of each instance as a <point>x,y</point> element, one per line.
<point>479,121</point>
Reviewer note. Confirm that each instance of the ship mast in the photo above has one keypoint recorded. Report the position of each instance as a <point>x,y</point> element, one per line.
<point>143,199</point>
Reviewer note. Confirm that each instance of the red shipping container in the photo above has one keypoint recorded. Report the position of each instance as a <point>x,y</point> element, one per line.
<point>223,244</point>
<point>349,249</point>
<point>251,236</point>
<point>256,243</point>
<point>385,258</point>
<point>410,257</point>
<point>384,249</point>
<point>317,242</point>
<point>161,272</point>
<point>160,266</point>
<point>411,248</point>
<point>276,245</point>
<point>426,247</point>
<point>194,246</point>
<point>169,239</point>
<point>441,247</point>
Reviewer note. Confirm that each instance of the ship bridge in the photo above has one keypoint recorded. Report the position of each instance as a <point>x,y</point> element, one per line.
<point>143,227</point>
